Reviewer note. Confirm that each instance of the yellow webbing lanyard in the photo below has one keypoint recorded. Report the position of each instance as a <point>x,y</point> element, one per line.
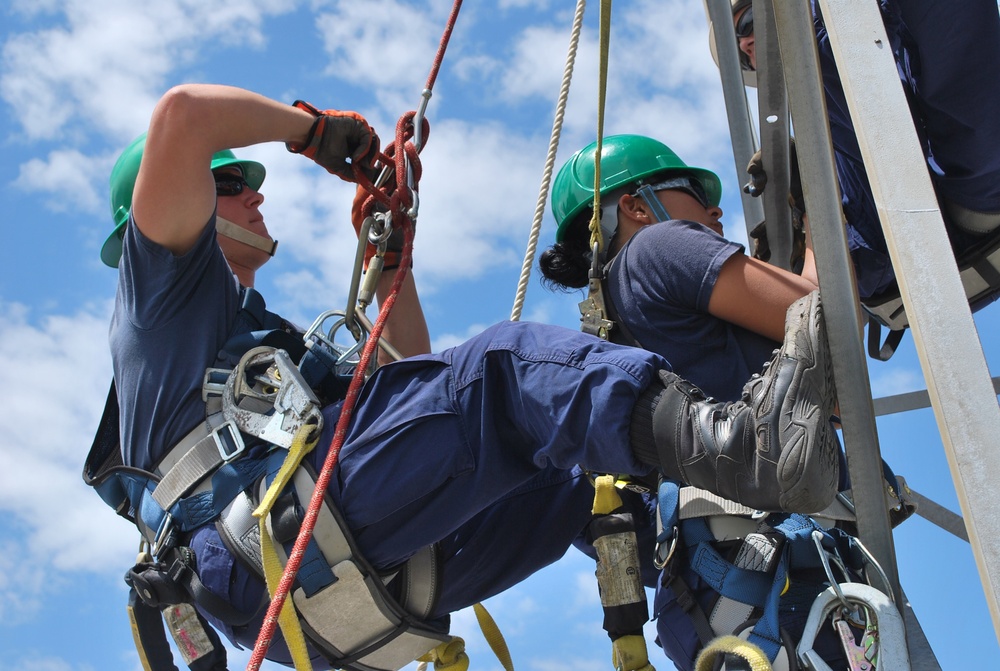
<point>273,569</point>
<point>596,237</point>
<point>451,656</point>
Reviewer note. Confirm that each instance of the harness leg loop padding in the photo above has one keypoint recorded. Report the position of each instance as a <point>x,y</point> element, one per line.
<point>732,645</point>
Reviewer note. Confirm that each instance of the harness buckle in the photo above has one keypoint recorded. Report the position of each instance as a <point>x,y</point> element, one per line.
<point>229,441</point>
<point>214,384</point>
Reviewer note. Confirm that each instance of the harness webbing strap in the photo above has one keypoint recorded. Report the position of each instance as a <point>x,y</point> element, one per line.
<point>197,461</point>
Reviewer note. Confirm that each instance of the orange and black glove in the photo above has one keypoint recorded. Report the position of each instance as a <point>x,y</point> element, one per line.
<point>394,245</point>
<point>336,136</point>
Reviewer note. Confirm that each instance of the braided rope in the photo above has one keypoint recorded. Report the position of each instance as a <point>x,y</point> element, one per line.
<point>543,190</point>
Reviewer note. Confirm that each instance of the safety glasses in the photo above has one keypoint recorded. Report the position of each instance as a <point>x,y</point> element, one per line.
<point>744,25</point>
<point>229,184</point>
<point>689,185</point>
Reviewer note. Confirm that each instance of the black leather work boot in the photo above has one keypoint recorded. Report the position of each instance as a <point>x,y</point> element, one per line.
<point>775,448</point>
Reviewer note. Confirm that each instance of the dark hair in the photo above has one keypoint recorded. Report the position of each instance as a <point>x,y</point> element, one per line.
<point>566,265</point>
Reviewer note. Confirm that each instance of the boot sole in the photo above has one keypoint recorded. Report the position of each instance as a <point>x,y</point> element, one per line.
<point>808,468</point>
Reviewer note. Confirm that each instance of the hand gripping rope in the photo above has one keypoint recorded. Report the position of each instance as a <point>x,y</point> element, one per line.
<point>403,204</point>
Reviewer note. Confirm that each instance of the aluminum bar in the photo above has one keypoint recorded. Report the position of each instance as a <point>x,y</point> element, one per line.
<point>912,400</point>
<point>949,350</point>
<point>772,107</point>
<point>720,18</point>
<point>815,154</point>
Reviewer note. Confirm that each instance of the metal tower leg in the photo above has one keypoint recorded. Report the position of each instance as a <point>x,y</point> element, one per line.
<point>947,343</point>
<point>815,153</point>
<point>740,128</point>
<point>772,108</point>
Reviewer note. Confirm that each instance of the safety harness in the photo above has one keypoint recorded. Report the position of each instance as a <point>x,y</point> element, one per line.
<point>743,555</point>
<point>750,560</point>
<point>263,392</point>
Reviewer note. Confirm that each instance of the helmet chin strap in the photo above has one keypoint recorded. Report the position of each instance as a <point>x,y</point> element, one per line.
<point>240,234</point>
<point>653,203</point>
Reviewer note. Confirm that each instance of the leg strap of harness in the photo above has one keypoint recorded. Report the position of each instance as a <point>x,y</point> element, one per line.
<point>354,621</point>
<point>687,601</point>
<point>343,605</point>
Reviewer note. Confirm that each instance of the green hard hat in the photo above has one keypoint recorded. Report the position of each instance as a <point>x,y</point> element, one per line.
<point>123,177</point>
<point>625,159</point>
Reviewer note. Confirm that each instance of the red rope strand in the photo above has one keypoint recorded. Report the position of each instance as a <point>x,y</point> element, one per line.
<point>400,154</point>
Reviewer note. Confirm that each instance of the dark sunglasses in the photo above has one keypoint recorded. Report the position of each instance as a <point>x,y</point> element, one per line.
<point>744,26</point>
<point>228,184</point>
<point>688,185</point>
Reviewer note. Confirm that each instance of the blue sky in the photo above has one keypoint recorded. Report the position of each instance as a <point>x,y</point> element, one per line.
<point>78,79</point>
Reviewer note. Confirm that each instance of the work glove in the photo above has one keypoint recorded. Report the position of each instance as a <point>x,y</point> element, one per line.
<point>394,245</point>
<point>762,249</point>
<point>758,177</point>
<point>336,136</point>
<point>755,187</point>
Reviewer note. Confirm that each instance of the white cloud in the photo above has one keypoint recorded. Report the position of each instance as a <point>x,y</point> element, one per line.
<point>476,204</point>
<point>68,171</point>
<point>539,61</point>
<point>387,45</point>
<point>60,371</point>
<point>105,65</point>
<point>42,663</point>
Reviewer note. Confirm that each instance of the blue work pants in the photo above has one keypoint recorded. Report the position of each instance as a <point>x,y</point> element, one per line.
<point>476,449</point>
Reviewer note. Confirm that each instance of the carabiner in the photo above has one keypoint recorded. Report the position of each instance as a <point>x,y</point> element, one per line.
<point>418,119</point>
<point>892,654</point>
<point>817,537</point>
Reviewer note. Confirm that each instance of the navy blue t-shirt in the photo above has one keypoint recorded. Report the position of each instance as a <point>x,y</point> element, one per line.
<point>661,282</point>
<point>164,300</point>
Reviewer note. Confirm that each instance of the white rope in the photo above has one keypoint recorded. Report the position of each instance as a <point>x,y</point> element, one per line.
<point>543,191</point>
